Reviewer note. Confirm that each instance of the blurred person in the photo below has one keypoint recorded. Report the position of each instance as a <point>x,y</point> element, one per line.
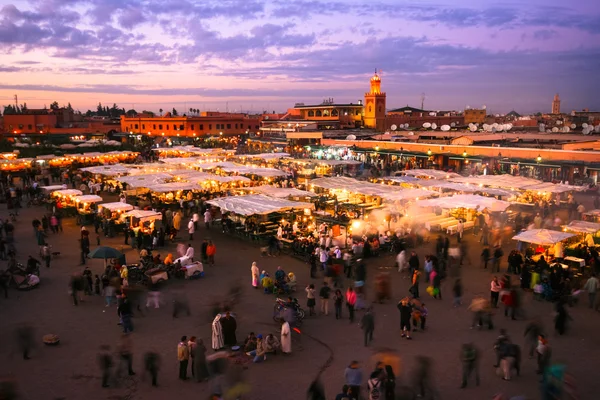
<point>469,357</point>
<point>367,324</point>
<point>533,331</point>
<point>105,361</point>
<point>152,365</point>
<point>353,377</point>
<point>457,291</point>
<point>126,354</point>
<point>200,367</point>
<point>422,376</point>
<point>25,340</point>
<point>180,303</point>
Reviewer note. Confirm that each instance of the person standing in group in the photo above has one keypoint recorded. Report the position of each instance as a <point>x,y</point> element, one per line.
<point>414,289</point>
<point>203,251</point>
<point>485,256</point>
<point>367,323</point>
<point>255,274</point>
<point>338,300</point>
<point>460,228</point>
<point>286,338</point>
<point>375,385</point>
<point>126,354</point>
<point>351,302</point>
<point>211,250</point>
<point>310,299</point>
<point>183,356</point>
<point>495,291</point>
<point>217,334</point>
<point>229,326</point>
<point>498,253</point>
<point>353,377</point>
<point>192,349</point>
<point>405,309</point>
<point>469,359</point>
<point>152,365</point>
<point>106,361</point>
<point>324,295</point>
<point>195,220</point>
<point>199,365</point>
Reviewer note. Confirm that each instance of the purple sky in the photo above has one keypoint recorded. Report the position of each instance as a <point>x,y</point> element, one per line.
<point>258,55</point>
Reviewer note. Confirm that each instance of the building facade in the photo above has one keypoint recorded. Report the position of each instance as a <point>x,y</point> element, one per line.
<point>55,122</point>
<point>474,116</point>
<point>207,123</point>
<point>375,103</point>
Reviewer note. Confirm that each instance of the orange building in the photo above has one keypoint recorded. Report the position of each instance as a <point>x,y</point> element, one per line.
<point>207,123</point>
<point>55,122</point>
<point>474,116</point>
<point>375,106</point>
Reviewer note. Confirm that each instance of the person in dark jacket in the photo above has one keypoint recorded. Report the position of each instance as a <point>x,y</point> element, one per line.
<point>152,365</point>
<point>469,358</point>
<point>106,362</point>
<point>367,323</point>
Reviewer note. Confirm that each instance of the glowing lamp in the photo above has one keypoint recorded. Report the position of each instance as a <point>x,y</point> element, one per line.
<point>429,152</point>
<point>464,154</point>
<point>539,158</point>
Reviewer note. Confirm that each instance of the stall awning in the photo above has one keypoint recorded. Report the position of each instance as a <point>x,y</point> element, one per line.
<point>68,192</point>
<point>542,237</point>
<point>583,227</point>
<point>116,206</point>
<point>256,204</point>
<point>470,201</point>
<point>53,188</point>
<point>143,214</point>
<point>89,198</point>
<point>386,192</point>
<point>273,191</point>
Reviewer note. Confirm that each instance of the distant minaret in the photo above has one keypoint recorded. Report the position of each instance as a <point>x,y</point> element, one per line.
<point>556,104</point>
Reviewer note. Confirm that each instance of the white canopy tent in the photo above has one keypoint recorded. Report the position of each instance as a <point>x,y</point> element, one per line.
<point>252,170</point>
<point>403,179</point>
<point>281,193</point>
<point>431,173</point>
<point>144,180</point>
<point>505,181</point>
<point>53,188</point>
<point>542,237</point>
<point>548,187</point>
<point>143,214</point>
<point>471,201</point>
<point>172,187</point>
<point>386,192</point>
<point>88,198</point>
<point>256,204</point>
<point>116,206</point>
<point>109,170</point>
<point>583,227</point>
<point>67,192</point>
<point>264,156</point>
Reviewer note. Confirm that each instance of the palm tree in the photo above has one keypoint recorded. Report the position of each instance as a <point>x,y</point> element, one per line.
<point>161,111</point>
<point>197,111</point>
<point>191,110</point>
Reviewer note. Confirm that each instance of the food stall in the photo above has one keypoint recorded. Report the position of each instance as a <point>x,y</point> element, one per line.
<point>143,220</point>
<point>111,215</point>
<point>86,208</point>
<point>589,231</point>
<point>64,200</point>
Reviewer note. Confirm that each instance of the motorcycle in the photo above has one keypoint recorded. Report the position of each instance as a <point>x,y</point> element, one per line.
<point>281,306</point>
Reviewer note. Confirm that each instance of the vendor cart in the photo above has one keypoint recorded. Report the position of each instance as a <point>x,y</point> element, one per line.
<point>194,270</point>
<point>157,275</point>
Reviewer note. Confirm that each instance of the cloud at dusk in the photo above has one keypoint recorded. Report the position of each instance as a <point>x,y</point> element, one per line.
<point>259,55</point>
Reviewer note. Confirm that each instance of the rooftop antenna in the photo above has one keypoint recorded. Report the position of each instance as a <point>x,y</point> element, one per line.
<point>422,101</point>
<point>16,103</point>
<point>226,106</point>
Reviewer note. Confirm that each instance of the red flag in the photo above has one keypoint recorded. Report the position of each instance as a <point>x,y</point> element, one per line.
<point>297,330</point>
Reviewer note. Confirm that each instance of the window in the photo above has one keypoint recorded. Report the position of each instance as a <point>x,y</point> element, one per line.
<point>318,113</point>
<point>325,113</point>
<point>357,112</point>
<point>311,113</point>
<point>136,126</point>
<point>192,126</point>
<point>20,126</point>
<point>29,126</point>
<point>379,108</point>
<point>201,127</point>
<point>209,126</point>
<point>144,127</point>
<point>334,113</point>
<point>181,127</point>
<point>228,126</point>
<point>370,108</point>
<point>236,126</point>
<point>160,126</point>
<point>167,127</point>
<point>154,126</point>
<point>256,127</point>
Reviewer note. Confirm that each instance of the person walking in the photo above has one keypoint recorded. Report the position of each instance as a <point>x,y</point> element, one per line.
<point>126,354</point>
<point>105,361</point>
<point>591,286</point>
<point>353,377</point>
<point>152,365</point>
<point>183,356</point>
<point>533,331</point>
<point>498,253</point>
<point>460,228</point>
<point>485,257</point>
<point>310,299</point>
<point>338,300</point>
<point>351,302</point>
<point>207,218</point>
<point>469,359</point>
<point>191,229</point>
<point>457,291</point>
<point>405,309</point>
<point>255,274</point>
<point>367,323</point>
<point>286,338</point>
<point>324,294</point>
<point>414,289</point>
<point>211,250</point>
<point>495,291</point>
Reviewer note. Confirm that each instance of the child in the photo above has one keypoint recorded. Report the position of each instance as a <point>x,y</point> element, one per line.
<point>97,285</point>
<point>310,299</point>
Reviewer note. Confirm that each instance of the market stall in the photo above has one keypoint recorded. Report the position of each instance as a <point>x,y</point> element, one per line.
<point>64,200</point>
<point>110,213</point>
<point>86,208</point>
<point>283,193</point>
<point>141,220</point>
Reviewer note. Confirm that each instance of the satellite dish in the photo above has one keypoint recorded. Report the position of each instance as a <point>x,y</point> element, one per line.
<point>495,125</point>
<point>597,129</point>
<point>351,137</point>
<point>432,114</point>
<point>484,107</point>
<point>453,124</point>
<point>426,125</point>
<point>555,129</point>
<point>584,125</point>
<point>566,129</point>
<point>472,128</point>
<point>497,115</point>
<point>559,122</point>
<point>434,126</point>
<point>586,131</point>
<point>411,134</point>
<point>542,127</point>
<point>393,127</point>
<point>573,126</point>
<point>485,126</point>
<point>406,126</point>
<point>493,130</point>
<point>467,107</point>
<point>445,128</point>
<point>548,131</point>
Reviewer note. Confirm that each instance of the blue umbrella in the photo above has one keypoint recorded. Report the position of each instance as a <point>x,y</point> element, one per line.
<point>105,252</point>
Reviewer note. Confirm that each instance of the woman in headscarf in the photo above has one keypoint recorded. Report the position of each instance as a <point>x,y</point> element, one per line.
<point>217,334</point>
<point>255,275</point>
<point>168,259</point>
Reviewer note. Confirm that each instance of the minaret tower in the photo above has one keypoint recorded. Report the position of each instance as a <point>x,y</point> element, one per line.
<point>556,104</point>
<point>374,114</point>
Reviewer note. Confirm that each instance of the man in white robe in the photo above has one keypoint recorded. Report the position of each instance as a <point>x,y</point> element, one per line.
<point>217,334</point>
<point>286,338</point>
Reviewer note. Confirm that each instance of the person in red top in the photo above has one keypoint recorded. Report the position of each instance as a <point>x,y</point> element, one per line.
<point>350,302</point>
<point>211,250</point>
